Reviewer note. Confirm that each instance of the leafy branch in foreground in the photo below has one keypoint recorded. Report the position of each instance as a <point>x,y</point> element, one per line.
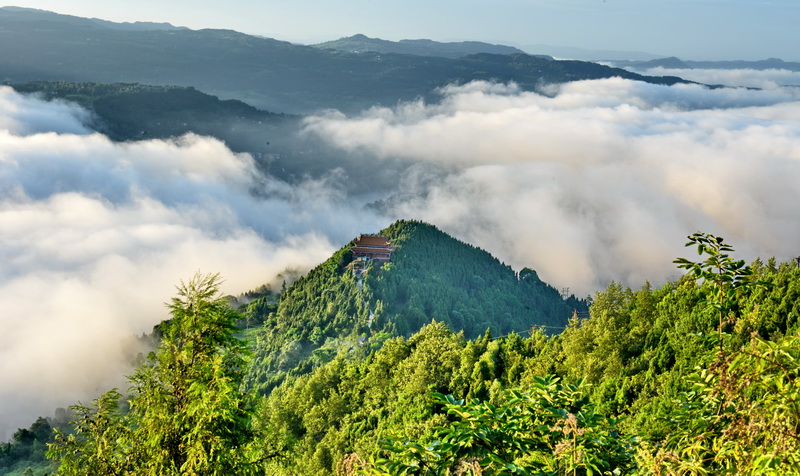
<point>743,421</point>
<point>95,445</point>
<point>548,428</point>
<point>727,275</point>
<point>187,412</point>
<point>741,414</point>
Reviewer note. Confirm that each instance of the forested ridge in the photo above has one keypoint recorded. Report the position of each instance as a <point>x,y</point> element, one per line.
<point>633,368</point>
<point>270,74</point>
<point>129,112</point>
<point>697,376</point>
<point>125,111</point>
<point>432,276</point>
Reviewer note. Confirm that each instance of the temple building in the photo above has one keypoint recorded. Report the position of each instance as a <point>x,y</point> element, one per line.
<point>376,247</point>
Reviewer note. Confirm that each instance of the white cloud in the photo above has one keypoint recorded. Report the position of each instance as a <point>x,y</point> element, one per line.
<point>599,180</point>
<point>95,235</point>
<point>22,116</point>
<point>745,78</point>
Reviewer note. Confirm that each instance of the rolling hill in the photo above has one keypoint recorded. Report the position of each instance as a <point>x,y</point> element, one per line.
<point>362,44</point>
<point>432,276</point>
<point>266,73</point>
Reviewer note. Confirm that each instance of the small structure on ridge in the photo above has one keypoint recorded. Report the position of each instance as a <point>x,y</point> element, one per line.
<point>369,247</point>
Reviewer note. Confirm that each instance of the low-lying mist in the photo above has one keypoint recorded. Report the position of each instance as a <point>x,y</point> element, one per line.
<point>594,181</point>
<point>747,78</point>
<point>597,181</point>
<point>94,236</point>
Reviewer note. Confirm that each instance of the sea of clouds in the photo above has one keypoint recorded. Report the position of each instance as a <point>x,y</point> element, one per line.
<point>585,182</point>
<point>596,180</point>
<point>94,236</point>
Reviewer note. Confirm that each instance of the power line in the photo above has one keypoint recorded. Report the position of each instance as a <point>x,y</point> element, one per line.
<point>579,315</point>
<point>530,331</point>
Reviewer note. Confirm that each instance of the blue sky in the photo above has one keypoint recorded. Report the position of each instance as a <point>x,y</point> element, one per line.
<point>689,29</point>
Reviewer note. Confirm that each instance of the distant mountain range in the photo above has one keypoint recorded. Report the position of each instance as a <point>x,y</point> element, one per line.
<point>363,44</point>
<point>266,73</point>
<point>676,63</point>
<point>587,54</point>
<point>131,112</point>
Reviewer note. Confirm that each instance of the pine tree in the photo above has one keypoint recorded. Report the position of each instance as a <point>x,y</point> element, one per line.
<point>187,412</point>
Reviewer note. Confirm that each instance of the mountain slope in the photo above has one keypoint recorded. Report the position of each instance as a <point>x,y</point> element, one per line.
<point>432,276</point>
<point>131,112</point>
<point>266,73</point>
<point>126,112</point>
<point>675,63</point>
<point>637,356</point>
<point>361,44</point>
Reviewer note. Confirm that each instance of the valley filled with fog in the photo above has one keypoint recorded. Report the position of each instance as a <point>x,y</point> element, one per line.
<point>592,182</point>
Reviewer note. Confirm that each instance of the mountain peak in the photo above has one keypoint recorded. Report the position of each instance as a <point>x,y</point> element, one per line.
<point>430,275</point>
<point>34,14</point>
<point>360,43</point>
<point>670,63</point>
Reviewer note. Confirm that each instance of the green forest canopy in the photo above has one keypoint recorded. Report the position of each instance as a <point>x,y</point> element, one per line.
<point>431,276</point>
<point>653,381</point>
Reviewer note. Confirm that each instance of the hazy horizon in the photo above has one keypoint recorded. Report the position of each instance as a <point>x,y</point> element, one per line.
<point>691,30</point>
